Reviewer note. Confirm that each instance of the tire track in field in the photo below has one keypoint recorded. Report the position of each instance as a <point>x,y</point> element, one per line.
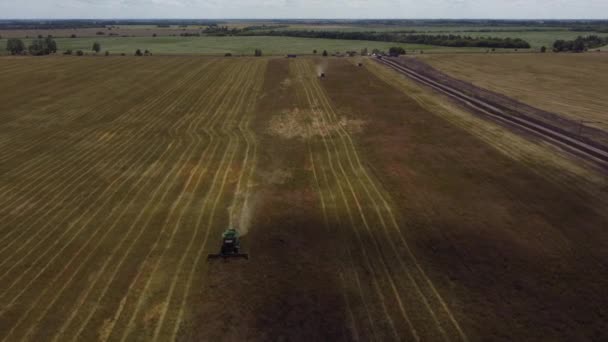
<point>110,106</point>
<point>78,73</point>
<point>31,250</point>
<point>393,222</point>
<point>60,106</point>
<point>229,150</point>
<point>357,201</point>
<point>235,110</point>
<point>355,330</point>
<point>158,188</point>
<point>59,195</point>
<point>328,120</point>
<point>127,233</point>
<point>63,164</point>
<point>323,131</point>
<point>56,108</point>
<point>388,272</point>
<point>248,99</point>
<point>70,87</point>
<point>58,164</point>
<point>9,305</point>
<point>150,125</point>
<point>190,278</point>
<point>133,242</point>
<point>361,175</point>
<point>366,257</point>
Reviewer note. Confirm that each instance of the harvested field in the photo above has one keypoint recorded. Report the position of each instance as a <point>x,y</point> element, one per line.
<point>567,84</point>
<point>370,211</point>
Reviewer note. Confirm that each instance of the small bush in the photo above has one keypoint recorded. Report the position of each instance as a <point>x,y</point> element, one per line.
<point>396,51</point>
<point>107,53</point>
<point>228,54</point>
<point>68,52</point>
<point>79,53</point>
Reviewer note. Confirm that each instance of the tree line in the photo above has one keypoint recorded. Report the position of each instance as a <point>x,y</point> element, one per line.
<point>38,47</point>
<point>43,46</point>
<point>579,44</point>
<point>426,39</point>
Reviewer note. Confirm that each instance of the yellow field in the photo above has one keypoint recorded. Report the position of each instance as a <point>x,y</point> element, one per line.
<point>568,84</point>
<point>129,189</point>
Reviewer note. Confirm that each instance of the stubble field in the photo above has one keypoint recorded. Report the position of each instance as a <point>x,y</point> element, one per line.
<point>368,214</point>
<point>566,84</point>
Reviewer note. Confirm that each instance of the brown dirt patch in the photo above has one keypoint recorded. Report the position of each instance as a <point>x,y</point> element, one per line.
<point>301,124</point>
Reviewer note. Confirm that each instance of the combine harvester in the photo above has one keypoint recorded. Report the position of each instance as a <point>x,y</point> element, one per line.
<point>231,246</point>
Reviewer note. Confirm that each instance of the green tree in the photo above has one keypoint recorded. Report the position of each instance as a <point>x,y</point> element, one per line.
<point>364,52</point>
<point>79,53</point>
<point>138,52</point>
<point>396,51</point>
<point>258,52</point>
<point>96,47</point>
<point>543,49</point>
<point>40,47</point>
<point>324,53</point>
<point>314,51</point>
<point>15,46</point>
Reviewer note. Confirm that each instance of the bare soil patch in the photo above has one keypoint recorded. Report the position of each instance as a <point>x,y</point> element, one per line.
<point>309,124</point>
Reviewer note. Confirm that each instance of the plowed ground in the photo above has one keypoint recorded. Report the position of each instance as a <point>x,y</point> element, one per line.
<point>367,216</point>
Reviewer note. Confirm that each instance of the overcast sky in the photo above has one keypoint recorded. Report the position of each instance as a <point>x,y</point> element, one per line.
<point>499,9</point>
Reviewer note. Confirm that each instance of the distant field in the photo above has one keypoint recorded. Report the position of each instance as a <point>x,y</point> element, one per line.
<point>234,45</point>
<point>536,36</point>
<point>568,84</point>
<point>418,28</point>
<point>123,30</point>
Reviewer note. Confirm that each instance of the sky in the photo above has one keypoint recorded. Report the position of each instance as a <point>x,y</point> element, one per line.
<point>263,9</point>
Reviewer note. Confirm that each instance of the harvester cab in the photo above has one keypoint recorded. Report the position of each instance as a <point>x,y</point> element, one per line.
<point>231,245</point>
